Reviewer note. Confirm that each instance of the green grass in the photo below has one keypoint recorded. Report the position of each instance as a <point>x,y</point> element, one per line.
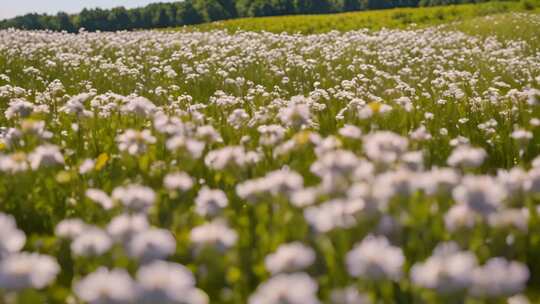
<point>374,20</point>
<point>508,26</point>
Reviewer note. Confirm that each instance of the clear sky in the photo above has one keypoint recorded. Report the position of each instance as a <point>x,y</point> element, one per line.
<point>12,8</point>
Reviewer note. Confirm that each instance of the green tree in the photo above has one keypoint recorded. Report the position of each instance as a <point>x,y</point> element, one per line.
<point>118,19</point>
<point>64,22</point>
<point>212,10</point>
<point>187,14</point>
<point>351,5</point>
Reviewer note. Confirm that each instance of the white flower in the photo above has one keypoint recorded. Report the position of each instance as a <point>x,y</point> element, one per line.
<point>437,179</point>
<point>296,288</point>
<point>448,270</point>
<point>14,163</point>
<point>87,166</point>
<point>375,259</point>
<point>349,295</point>
<point>277,182</point>
<point>140,106</point>
<point>12,239</point>
<point>513,180</point>
<point>536,162</point>
<point>283,181</point>
<point>35,128</point>
<point>350,131</point>
<point>209,202</point>
<point>19,107</point>
<point>420,134</point>
<point>466,156</point>
<point>532,184</point>
<point>208,134</point>
<point>271,134</point>
<point>459,216</point>
<point>135,197</point>
<point>405,102</point>
<point>10,136</point>
<point>135,142</point>
<point>45,155</point>
<point>231,156</point>
<point>499,278</point>
<point>27,270</point>
<point>518,299</point>
<point>238,118</point>
<point>151,244</point>
<point>100,197</point>
<point>178,181</point>
<point>413,160</point>
<point>168,125</point>
<point>534,97</point>
<point>510,218</point>
<point>164,282</point>
<point>106,287</point>
<point>194,147</point>
<point>364,171</point>
<point>481,193</point>
<point>304,197</point>
<point>215,233</point>
<point>335,163</point>
<point>124,226</point>
<point>522,136</point>
<point>290,258</point>
<point>391,183</point>
<point>328,144</point>
<point>70,228</point>
<point>334,214</point>
<point>75,105</point>
<point>91,242</point>
<point>295,115</point>
<point>384,146</point>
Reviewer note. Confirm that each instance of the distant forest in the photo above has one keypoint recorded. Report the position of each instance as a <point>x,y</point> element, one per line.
<point>161,15</point>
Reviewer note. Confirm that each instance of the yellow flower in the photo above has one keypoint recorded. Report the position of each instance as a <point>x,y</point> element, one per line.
<point>302,138</point>
<point>375,106</point>
<point>101,161</point>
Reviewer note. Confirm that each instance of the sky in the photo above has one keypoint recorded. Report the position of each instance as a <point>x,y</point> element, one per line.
<point>12,8</point>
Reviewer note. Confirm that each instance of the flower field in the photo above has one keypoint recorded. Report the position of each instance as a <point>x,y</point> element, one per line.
<point>389,166</point>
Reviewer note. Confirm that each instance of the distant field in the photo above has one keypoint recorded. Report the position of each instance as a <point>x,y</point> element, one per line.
<point>507,26</point>
<point>374,20</point>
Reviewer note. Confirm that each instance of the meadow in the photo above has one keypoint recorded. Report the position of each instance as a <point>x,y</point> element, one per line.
<point>401,18</point>
<point>216,164</point>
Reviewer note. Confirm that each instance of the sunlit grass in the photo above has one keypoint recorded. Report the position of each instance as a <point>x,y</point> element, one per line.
<point>374,20</point>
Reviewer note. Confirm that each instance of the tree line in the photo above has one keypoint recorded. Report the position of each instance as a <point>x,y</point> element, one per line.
<point>188,12</point>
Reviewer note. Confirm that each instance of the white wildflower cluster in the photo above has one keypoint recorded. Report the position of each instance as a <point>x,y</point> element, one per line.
<point>135,142</point>
<point>11,238</point>
<point>232,156</point>
<point>289,258</point>
<point>464,156</point>
<point>214,234</point>
<point>157,282</point>
<point>375,259</point>
<point>209,202</point>
<point>22,270</point>
<point>134,197</point>
<point>251,167</point>
<point>280,182</point>
<point>293,288</point>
